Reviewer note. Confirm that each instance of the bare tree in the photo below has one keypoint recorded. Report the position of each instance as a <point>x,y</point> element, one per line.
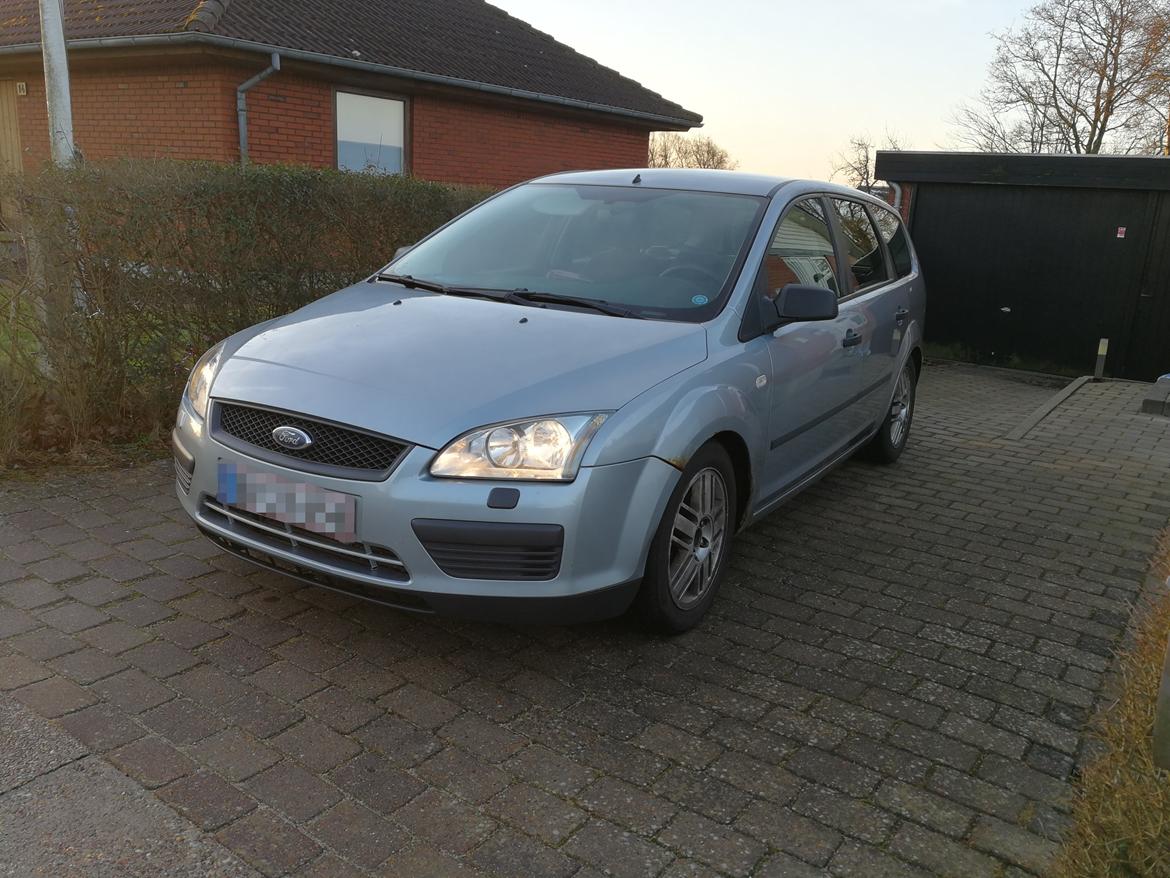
<point>856,164</point>
<point>669,149</point>
<point>1079,76</point>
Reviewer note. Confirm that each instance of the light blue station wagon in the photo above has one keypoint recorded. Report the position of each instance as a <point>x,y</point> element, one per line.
<point>565,401</point>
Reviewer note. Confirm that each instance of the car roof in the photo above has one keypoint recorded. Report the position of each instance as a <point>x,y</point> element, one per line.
<point>694,179</point>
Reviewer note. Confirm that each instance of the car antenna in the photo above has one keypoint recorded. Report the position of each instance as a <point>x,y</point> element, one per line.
<point>637,179</point>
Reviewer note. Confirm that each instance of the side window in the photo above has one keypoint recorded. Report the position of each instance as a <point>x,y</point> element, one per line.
<point>862,250</point>
<point>801,251</point>
<point>894,234</point>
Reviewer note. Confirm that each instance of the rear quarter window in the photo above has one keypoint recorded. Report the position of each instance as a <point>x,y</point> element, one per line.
<point>897,241</point>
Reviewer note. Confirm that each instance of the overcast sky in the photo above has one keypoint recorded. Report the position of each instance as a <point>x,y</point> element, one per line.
<point>783,84</point>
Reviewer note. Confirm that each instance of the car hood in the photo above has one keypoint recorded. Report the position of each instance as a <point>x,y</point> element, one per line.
<point>425,367</point>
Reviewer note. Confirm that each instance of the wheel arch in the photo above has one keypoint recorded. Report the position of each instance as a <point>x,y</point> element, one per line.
<point>916,359</point>
<point>741,464</point>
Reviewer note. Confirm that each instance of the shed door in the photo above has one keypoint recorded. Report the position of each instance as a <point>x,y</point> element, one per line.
<point>10,153</point>
<point>1031,276</point>
<point>1148,351</point>
<point>9,129</point>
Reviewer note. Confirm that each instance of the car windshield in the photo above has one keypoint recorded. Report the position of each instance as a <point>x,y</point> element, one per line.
<point>658,253</point>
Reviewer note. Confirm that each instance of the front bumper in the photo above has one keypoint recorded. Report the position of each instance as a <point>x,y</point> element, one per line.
<point>601,524</point>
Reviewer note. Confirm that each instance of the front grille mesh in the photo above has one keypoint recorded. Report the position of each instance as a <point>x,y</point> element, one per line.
<point>332,445</point>
<point>492,550</point>
<point>519,563</point>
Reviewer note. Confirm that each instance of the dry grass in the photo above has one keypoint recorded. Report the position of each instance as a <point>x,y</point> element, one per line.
<point>1122,810</point>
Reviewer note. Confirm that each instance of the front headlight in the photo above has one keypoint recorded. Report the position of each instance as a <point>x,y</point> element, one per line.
<point>199,384</point>
<point>541,448</point>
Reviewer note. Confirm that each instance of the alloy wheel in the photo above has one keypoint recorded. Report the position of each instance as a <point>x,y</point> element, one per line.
<point>697,538</point>
<point>900,408</point>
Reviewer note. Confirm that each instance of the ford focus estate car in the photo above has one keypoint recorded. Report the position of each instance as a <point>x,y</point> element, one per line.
<point>567,400</point>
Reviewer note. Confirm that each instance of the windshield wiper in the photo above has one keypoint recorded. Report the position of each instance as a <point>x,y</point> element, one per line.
<point>433,286</point>
<point>603,307</point>
<point>518,296</point>
<point>412,283</point>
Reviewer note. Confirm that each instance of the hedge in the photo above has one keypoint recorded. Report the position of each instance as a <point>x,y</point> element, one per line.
<point>124,273</point>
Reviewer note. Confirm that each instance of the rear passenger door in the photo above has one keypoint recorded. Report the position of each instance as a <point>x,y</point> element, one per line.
<point>874,307</point>
<point>900,252</point>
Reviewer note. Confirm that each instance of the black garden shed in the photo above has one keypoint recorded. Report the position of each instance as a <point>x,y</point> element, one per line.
<point>1031,259</point>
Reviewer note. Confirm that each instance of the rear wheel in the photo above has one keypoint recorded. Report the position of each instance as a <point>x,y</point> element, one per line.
<point>689,551</point>
<point>889,443</point>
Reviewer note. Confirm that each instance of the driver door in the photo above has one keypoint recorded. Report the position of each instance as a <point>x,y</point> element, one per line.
<point>814,366</point>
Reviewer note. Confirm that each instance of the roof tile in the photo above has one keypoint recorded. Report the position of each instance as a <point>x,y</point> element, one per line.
<point>462,39</point>
<point>89,19</point>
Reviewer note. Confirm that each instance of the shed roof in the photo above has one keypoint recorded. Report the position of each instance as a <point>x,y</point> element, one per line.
<point>1067,171</point>
<point>463,42</point>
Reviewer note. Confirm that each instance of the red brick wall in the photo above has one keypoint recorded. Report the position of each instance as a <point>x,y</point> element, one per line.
<point>465,142</point>
<point>907,201</point>
<point>189,113</point>
<point>907,198</point>
<point>183,113</point>
<point>290,119</point>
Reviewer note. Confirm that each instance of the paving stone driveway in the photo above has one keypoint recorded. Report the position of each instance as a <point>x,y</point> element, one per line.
<point>894,681</point>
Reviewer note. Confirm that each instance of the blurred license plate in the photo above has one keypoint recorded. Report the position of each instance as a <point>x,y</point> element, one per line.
<point>311,507</point>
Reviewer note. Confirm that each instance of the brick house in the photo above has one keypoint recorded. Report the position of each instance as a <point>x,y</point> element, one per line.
<point>457,91</point>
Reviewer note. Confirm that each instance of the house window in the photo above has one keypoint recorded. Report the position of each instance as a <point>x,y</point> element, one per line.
<point>370,133</point>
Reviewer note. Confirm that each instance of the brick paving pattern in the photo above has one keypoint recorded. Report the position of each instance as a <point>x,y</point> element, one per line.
<point>895,680</point>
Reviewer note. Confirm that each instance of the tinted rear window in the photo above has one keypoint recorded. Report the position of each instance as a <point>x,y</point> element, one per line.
<point>897,241</point>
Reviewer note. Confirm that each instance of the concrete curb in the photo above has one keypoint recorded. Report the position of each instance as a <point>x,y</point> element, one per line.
<point>1157,401</point>
<point>1029,423</point>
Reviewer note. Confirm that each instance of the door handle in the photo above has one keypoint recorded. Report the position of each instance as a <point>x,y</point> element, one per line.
<point>851,338</point>
<point>900,315</point>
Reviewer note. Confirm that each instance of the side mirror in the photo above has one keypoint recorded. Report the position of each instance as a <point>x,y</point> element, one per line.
<point>797,303</point>
<point>402,251</point>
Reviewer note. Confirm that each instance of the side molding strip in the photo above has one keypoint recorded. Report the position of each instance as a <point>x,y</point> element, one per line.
<point>803,481</point>
<point>820,419</point>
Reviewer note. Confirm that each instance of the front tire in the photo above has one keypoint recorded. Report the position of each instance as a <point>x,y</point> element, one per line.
<point>889,443</point>
<point>689,551</point>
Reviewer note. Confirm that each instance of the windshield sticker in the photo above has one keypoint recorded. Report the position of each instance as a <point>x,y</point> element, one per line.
<point>699,300</point>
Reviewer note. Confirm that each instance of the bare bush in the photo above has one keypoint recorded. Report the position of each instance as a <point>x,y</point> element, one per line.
<point>136,267</point>
<point>14,399</point>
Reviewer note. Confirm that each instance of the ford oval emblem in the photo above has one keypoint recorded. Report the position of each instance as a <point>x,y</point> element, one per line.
<point>292,438</point>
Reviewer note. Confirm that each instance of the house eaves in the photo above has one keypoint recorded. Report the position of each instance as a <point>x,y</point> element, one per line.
<point>195,37</point>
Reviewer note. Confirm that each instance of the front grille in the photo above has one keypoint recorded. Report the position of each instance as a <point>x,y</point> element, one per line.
<point>365,559</point>
<point>336,451</point>
<point>378,594</point>
<point>489,550</point>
